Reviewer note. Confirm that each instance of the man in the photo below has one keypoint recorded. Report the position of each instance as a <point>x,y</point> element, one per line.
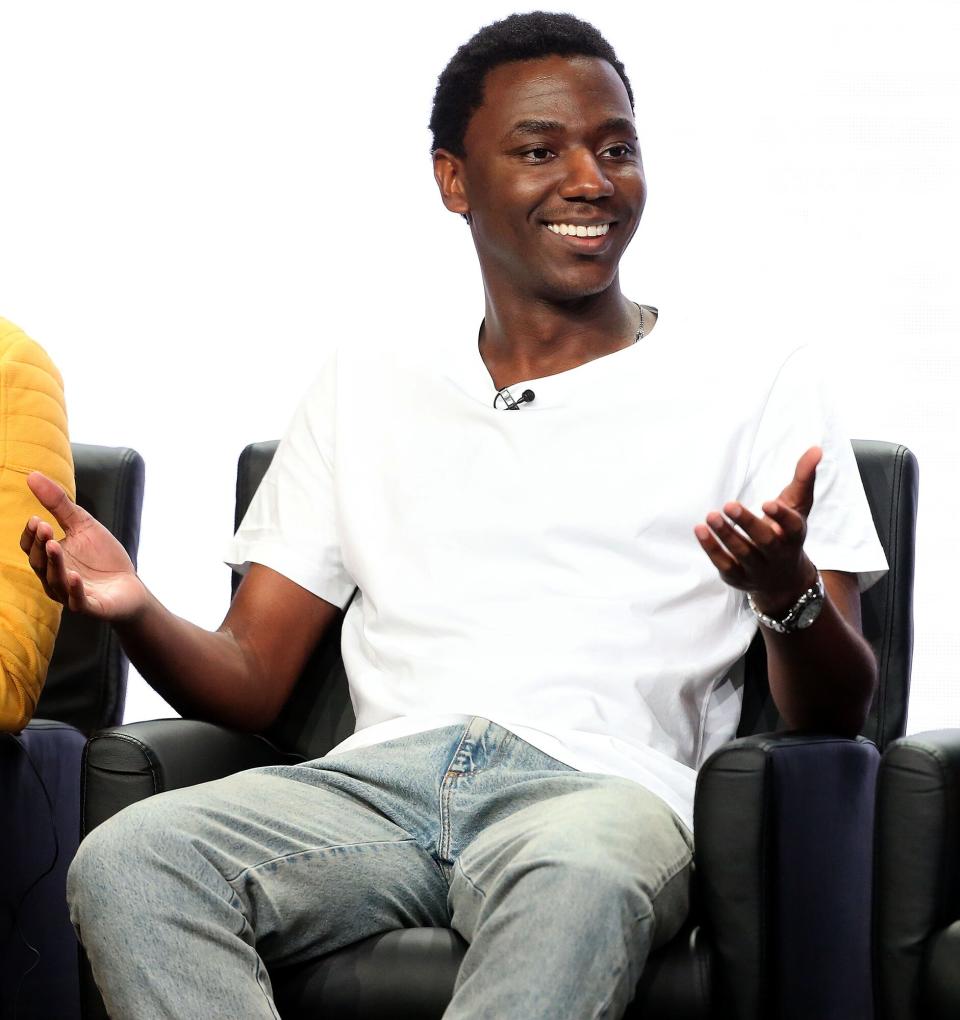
<point>539,653</point>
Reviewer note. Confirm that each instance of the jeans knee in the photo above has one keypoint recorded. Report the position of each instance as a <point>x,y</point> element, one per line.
<point>608,880</point>
<point>632,890</point>
<point>94,861</point>
<point>572,872</point>
<point>111,862</point>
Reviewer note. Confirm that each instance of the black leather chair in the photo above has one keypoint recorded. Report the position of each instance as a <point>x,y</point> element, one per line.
<point>917,882</point>
<point>84,691</point>
<point>781,922</point>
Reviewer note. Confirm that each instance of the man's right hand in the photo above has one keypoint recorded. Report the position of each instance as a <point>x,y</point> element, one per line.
<point>89,571</point>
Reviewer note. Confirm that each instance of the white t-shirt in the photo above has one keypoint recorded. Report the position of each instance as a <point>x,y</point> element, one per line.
<point>538,567</point>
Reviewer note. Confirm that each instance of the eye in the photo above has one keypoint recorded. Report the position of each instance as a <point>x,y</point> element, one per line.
<point>622,150</point>
<point>540,154</point>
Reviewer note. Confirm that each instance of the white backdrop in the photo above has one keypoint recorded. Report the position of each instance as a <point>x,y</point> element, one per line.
<point>198,198</point>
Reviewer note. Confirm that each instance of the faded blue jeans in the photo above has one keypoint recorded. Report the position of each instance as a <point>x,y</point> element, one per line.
<point>561,881</point>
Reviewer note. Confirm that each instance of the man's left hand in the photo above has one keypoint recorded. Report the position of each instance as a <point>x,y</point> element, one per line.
<point>764,555</point>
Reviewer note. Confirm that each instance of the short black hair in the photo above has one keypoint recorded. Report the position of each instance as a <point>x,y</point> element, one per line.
<point>519,37</point>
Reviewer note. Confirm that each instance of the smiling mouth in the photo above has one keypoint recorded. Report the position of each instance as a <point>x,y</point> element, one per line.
<point>578,230</point>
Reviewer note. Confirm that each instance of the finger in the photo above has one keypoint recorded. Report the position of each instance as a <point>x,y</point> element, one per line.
<point>54,499</point>
<point>761,531</point>
<point>56,572</point>
<point>38,557</point>
<point>76,596</point>
<point>730,570</point>
<point>799,493</point>
<point>63,585</point>
<point>38,551</point>
<point>791,522</point>
<point>26,538</point>
<point>742,549</point>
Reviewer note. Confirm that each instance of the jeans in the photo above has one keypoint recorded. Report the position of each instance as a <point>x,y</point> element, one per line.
<point>560,881</point>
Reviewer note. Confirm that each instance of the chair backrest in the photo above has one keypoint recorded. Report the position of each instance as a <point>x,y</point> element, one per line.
<point>319,713</point>
<point>87,681</point>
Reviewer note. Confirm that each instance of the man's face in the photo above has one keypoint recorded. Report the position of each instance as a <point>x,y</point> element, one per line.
<point>553,148</point>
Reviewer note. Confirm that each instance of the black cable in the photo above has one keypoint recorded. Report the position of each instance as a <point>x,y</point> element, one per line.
<point>56,855</point>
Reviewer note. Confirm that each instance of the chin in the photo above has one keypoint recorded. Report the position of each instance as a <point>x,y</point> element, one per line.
<point>573,288</point>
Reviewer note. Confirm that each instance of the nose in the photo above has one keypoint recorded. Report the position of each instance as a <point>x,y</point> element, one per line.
<point>585,177</point>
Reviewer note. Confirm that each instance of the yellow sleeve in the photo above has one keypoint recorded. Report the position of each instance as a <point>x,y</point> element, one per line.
<point>33,437</point>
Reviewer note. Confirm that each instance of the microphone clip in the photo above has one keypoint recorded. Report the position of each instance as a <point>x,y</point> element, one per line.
<point>511,403</point>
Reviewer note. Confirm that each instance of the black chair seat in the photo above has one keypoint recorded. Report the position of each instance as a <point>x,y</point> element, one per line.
<point>409,975</point>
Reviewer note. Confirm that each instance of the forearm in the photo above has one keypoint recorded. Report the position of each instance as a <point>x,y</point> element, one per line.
<point>218,676</point>
<point>822,678</point>
<point>202,674</point>
<point>823,675</point>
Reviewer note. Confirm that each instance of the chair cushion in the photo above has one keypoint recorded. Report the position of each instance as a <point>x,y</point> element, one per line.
<point>410,974</point>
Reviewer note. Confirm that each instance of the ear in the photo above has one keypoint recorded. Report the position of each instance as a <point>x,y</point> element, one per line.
<point>450,174</point>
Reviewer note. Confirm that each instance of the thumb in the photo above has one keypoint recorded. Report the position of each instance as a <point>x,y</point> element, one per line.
<point>799,493</point>
<point>54,499</point>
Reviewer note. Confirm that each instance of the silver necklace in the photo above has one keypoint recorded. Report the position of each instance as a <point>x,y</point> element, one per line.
<point>639,335</point>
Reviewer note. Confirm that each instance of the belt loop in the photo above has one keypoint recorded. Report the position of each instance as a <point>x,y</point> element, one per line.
<point>471,752</point>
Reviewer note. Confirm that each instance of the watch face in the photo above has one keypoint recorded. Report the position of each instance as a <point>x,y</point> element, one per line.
<point>809,613</point>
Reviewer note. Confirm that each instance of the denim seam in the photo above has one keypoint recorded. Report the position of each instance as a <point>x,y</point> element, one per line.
<point>604,1006</point>
<point>672,874</point>
<point>317,850</point>
<point>663,886</point>
<point>639,919</point>
<point>446,791</point>
<point>258,965</point>
<point>260,985</point>
<point>473,885</point>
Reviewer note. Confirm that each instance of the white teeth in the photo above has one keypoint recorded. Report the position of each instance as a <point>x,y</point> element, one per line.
<point>568,229</point>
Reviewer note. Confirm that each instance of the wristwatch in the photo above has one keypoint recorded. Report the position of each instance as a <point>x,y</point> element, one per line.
<point>800,615</point>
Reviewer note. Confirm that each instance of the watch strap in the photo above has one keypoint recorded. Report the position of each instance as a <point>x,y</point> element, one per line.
<point>791,620</point>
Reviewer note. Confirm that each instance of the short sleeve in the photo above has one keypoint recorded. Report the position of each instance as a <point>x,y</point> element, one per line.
<point>798,413</point>
<point>291,523</point>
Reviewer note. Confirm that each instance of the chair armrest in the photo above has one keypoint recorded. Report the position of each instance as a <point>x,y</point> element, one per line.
<point>784,834</point>
<point>941,977</point>
<point>124,764</point>
<point>917,886</point>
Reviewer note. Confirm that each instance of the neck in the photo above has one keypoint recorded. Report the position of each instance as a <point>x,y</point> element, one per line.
<point>533,338</point>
